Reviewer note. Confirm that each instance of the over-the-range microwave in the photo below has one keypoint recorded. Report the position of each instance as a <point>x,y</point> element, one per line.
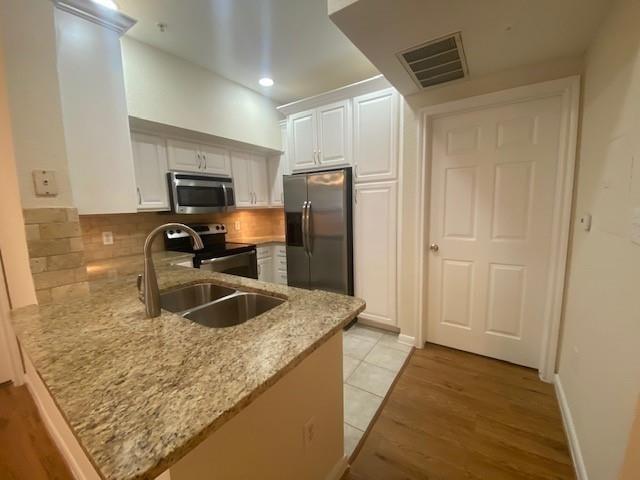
<point>197,193</point>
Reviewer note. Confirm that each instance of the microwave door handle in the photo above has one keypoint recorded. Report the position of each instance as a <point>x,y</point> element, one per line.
<point>224,194</point>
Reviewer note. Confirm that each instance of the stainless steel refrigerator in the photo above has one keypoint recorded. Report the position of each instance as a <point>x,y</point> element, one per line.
<point>319,231</point>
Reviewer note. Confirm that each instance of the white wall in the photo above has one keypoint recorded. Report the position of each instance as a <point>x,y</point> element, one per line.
<point>412,168</point>
<point>166,89</point>
<point>599,365</point>
<point>96,123</point>
<point>29,42</point>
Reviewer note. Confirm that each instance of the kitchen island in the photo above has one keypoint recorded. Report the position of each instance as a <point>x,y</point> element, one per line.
<point>146,396</point>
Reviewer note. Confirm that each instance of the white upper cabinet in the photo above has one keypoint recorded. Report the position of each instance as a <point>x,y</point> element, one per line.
<point>303,140</point>
<point>250,180</point>
<point>215,160</point>
<point>259,181</point>
<point>320,138</point>
<point>191,157</point>
<point>375,133</point>
<point>277,168</point>
<point>374,249</point>
<point>241,179</point>
<point>150,165</point>
<point>334,134</point>
<point>183,156</point>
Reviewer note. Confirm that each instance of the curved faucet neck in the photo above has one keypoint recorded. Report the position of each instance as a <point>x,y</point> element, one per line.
<point>149,279</point>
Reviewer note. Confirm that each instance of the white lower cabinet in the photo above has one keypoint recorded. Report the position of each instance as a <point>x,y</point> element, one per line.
<point>265,269</point>
<point>272,263</point>
<point>375,261</point>
<point>150,165</point>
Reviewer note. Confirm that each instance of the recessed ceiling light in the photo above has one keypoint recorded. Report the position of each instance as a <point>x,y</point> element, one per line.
<point>107,3</point>
<point>265,82</point>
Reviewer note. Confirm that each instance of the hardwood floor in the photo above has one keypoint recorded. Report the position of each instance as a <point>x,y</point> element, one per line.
<point>26,450</point>
<point>455,415</point>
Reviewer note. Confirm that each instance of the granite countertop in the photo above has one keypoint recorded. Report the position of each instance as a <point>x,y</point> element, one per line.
<point>131,264</point>
<point>259,240</point>
<point>141,393</point>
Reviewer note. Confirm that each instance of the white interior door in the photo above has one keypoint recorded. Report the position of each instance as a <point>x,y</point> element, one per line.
<point>492,205</point>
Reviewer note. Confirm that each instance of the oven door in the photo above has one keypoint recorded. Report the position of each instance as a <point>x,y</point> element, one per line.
<point>242,264</point>
<point>200,194</point>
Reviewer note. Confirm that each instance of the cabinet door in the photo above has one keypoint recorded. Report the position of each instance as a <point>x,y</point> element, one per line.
<point>183,156</point>
<point>375,250</point>
<point>150,164</point>
<point>259,181</point>
<point>375,149</point>
<point>334,134</point>
<point>215,160</point>
<point>302,144</point>
<point>265,269</point>
<point>240,165</point>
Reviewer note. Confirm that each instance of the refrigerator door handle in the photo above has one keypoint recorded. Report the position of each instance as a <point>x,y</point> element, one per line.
<point>304,227</point>
<point>309,244</point>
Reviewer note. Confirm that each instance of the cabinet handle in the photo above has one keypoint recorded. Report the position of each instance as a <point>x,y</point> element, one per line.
<point>319,155</point>
<point>204,156</point>
<point>199,160</point>
<point>139,196</point>
<point>356,170</point>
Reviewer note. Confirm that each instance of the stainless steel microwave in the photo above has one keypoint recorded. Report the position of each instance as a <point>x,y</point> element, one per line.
<point>193,193</point>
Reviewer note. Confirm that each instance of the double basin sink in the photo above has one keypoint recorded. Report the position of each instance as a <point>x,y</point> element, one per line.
<point>216,306</point>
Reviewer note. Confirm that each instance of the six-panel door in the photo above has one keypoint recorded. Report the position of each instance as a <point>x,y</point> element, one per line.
<point>492,205</point>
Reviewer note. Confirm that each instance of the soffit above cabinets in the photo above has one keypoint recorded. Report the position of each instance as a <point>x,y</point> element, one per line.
<point>292,41</point>
<point>497,34</point>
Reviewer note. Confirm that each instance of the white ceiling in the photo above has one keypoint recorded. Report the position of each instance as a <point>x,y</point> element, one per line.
<point>496,34</point>
<point>292,41</point>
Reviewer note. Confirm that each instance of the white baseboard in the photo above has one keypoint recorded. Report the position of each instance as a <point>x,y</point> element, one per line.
<point>572,436</point>
<point>407,340</point>
<point>339,468</point>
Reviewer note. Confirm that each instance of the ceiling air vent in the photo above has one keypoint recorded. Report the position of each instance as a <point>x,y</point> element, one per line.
<point>435,62</point>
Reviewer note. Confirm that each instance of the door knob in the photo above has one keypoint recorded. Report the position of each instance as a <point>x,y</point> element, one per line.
<point>434,247</point>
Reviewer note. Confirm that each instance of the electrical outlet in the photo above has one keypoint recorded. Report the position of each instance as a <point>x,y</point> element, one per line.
<point>236,225</point>
<point>107,238</point>
<point>309,433</point>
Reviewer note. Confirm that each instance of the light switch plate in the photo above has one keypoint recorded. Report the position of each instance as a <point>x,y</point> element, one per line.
<point>45,183</point>
<point>635,226</point>
<point>107,238</point>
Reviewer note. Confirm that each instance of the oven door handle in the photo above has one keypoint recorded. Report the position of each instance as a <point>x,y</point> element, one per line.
<point>222,259</point>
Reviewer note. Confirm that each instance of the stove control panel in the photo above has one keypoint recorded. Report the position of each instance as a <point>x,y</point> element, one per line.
<point>210,229</point>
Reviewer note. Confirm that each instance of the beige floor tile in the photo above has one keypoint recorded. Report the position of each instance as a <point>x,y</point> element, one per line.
<point>365,332</point>
<point>359,406</point>
<point>357,347</point>
<point>372,379</point>
<point>349,364</point>
<point>352,436</point>
<point>386,357</point>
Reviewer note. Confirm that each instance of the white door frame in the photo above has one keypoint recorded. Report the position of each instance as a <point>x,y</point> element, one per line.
<point>569,89</point>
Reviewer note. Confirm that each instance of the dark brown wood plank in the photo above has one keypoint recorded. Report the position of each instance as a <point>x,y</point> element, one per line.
<point>26,450</point>
<point>453,415</point>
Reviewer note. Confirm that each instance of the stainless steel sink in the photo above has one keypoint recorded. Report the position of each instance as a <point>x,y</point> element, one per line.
<point>233,310</point>
<point>192,296</point>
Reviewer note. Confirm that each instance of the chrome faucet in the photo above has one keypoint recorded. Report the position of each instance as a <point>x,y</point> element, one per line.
<point>151,295</point>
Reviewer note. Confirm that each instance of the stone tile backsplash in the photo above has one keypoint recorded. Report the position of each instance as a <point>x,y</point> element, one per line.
<point>61,243</point>
<point>130,230</point>
<point>56,253</point>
